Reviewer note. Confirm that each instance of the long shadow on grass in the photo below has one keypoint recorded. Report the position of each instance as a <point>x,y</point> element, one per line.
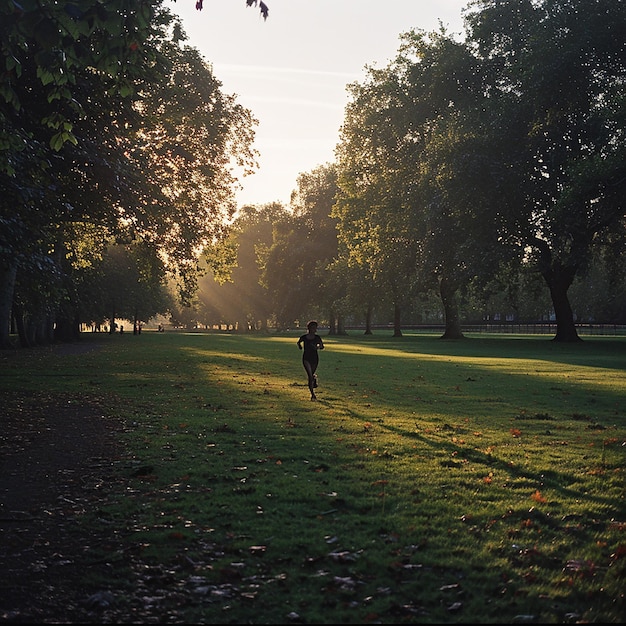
<point>454,379</point>
<point>545,478</point>
<point>597,352</point>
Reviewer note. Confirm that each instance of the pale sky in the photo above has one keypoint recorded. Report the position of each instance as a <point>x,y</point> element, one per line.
<point>292,69</point>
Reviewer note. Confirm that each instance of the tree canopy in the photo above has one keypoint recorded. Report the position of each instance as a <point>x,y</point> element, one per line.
<point>507,145</point>
<point>464,169</point>
<point>108,119</point>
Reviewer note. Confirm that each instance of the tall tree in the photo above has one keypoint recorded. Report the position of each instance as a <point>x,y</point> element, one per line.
<point>233,286</point>
<point>559,71</point>
<point>304,244</point>
<point>415,174</point>
<point>191,137</point>
<point>132,284</point>
<point>48,52</point>
<point>376,161</point>
<point>289,265</point>
<point>312,201</point>
<point>149,156</point>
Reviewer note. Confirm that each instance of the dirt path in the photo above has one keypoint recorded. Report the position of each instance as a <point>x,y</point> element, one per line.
<point>57,456</point>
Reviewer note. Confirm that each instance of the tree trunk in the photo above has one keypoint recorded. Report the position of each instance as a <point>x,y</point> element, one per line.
<point>49,329</point>
<point>448,293</point>
<point>341,328</point>
<point>67,327</point>
<point>40,329</point>
<point>7,287</point>
<point>21,326</point>
<point>559,278</point>
<point>332,329</point>
<point>368,320</point>
<point>397,321</point>
<point>559,281</point>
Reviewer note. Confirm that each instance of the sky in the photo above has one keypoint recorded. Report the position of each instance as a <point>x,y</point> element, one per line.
<point>292,70</point>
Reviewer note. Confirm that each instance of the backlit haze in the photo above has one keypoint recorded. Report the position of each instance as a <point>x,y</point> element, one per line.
<point>292,69</point>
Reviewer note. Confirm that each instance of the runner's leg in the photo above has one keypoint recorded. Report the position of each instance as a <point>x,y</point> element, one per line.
<point>310,370</point>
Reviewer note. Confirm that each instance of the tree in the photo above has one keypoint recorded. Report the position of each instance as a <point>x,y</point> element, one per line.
<point>234,287</point>
<point>304,243</point>
<point>133,284</point>
<point>49,46</point>
<point>119,162</point>
<point>415,207</point>
<point>312,201</point>
<point>48,52</point>
<point>191,137</point>
<point>558,71</point>
<point>288,263</point>
<point>376,157</point>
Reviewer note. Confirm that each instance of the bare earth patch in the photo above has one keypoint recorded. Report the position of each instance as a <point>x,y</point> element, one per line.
<point>62,559</point>
<point>57,458</point>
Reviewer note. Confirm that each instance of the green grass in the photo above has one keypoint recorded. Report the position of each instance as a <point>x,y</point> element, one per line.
<point>475,481</point>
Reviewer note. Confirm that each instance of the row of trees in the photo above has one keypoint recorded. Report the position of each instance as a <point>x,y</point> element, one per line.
<point>467,168</point>
<point>118,154</point>
<point>464,168</point>
<point>282,265</point>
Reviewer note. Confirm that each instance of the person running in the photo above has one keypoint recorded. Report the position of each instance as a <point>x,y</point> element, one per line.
<point>312,342</point>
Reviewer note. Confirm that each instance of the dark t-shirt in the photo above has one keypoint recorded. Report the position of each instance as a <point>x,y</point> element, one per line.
<point>311,346</point>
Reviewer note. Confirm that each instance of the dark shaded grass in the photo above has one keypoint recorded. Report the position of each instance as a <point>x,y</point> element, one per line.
<point>440,482</point>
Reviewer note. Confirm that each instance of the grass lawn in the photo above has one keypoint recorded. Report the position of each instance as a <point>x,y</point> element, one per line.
<point>473,481</point>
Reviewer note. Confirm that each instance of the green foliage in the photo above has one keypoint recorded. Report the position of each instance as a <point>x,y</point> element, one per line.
<point>434,481</point>
<point>92,127</point>
<point>58,42</point>
<point>459,156</point>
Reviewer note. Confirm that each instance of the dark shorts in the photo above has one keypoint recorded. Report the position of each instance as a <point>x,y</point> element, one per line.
<point>313,359</point>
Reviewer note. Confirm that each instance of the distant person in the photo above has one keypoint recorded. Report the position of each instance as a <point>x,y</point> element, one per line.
<point>310,359</point>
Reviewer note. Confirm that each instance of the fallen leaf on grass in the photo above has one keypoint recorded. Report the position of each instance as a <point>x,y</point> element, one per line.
<point>537,497</point>
<point>176,535</point>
